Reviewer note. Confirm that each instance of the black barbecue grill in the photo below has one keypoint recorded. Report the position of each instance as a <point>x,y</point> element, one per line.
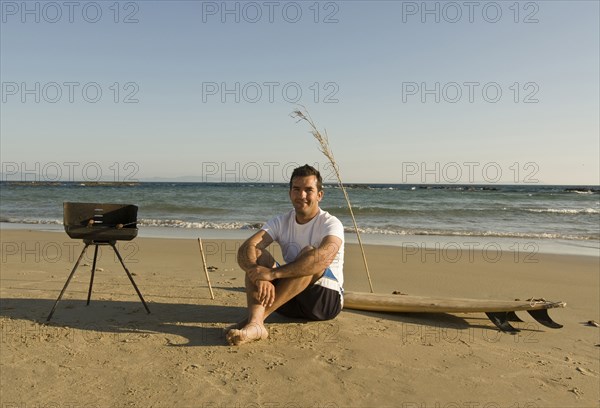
<point>99,224</point>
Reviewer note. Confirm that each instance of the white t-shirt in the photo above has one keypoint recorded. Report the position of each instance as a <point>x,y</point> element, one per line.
<point>292,237</point>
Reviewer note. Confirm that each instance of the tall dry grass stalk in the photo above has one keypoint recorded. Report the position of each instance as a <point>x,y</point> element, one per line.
<point>326,150</point>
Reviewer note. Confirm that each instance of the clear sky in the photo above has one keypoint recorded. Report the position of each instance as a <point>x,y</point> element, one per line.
<point>409,92</point>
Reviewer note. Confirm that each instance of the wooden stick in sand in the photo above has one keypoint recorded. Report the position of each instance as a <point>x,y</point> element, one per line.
<point>212,295</point>
<point>326,150</point>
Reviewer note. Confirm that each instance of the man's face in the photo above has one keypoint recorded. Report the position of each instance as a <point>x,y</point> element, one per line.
<point>305,196</point>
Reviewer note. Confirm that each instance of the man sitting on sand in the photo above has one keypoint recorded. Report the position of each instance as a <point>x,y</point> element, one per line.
<point>309,284</point>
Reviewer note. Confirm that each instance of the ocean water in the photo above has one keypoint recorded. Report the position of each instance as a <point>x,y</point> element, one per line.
<point>547,213</point>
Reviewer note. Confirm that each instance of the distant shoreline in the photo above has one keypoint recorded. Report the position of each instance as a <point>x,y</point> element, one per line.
<point>591,188</point>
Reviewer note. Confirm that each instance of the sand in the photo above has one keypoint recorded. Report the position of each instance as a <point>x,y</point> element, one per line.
<point>112,354</point>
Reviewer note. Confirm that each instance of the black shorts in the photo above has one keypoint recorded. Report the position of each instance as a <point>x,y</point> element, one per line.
<point>313,303</point>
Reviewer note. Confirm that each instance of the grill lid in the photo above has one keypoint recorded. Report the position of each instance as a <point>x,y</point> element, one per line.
<point>100,221</point>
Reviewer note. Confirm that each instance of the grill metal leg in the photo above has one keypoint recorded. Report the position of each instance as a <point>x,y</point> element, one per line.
<point>130,277</point>
<point>92,277</point>
<point>112,244</point>
<point>68,281</point>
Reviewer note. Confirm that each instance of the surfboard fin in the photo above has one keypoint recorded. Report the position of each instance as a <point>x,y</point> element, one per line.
<point>542,317</point>
<point>500,319</point>
<point>512,317</point>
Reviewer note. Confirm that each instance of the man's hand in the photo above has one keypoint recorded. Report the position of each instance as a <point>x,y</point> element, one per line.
<point>260,273</point>
<point>265,293</point>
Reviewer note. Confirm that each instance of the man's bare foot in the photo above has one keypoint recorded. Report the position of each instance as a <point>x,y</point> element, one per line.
<point>238,325</point>
<point>249,333</point>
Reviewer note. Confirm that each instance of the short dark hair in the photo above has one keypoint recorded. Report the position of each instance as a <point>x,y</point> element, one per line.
<point>305,171</point>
